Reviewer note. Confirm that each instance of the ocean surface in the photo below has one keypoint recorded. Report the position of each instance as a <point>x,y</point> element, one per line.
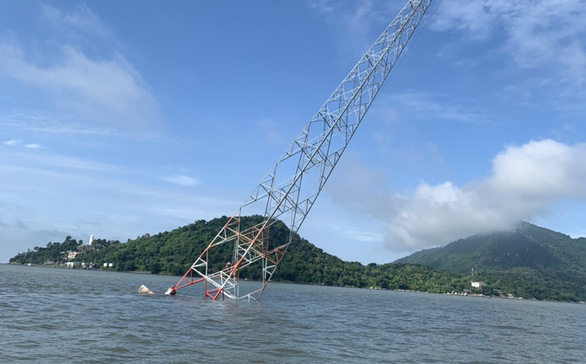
<point>50,315</point>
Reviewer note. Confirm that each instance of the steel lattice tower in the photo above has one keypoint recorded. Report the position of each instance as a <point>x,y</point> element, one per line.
<point>292,185</point>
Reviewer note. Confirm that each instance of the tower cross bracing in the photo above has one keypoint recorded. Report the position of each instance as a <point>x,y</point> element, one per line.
<point>291,187</point>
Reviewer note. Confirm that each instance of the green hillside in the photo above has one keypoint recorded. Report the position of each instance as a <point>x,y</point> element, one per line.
<point>529,261</point>
<point>174,251</point>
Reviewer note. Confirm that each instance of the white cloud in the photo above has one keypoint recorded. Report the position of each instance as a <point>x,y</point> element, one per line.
<point>538,33</point>
<point>80,18</point>
<point>457,15</point>
<point>364,236</point>
<point>356,21</point>
<point>33,160</point>
<point>429,106</point>
<point>13,143</point>
<point>109,91</point>
<point>526,181</point>
<point>323,6</point>
<point>49,192</point>
<point>82,75</point>
<point>52,123</point>
<point>182,180</point>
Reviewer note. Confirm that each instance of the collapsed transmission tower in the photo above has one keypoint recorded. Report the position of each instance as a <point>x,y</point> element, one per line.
<point>292,185</point>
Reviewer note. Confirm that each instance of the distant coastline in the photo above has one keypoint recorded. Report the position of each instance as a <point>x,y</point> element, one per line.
<point>527,263</point>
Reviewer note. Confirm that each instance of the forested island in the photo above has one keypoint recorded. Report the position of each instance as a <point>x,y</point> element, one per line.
<point>173,252</point>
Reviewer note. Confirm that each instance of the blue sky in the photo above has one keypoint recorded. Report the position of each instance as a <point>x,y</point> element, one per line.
<point>119,118</point>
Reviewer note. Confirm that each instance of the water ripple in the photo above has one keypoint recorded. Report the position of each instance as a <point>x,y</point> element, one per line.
<point>55,316</point>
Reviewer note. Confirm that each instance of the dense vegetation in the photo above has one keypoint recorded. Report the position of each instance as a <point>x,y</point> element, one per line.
<point>529,261</point>
<point>56,253</point>
<point>173,252</point>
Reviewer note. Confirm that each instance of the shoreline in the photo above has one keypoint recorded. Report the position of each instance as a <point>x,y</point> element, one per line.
<point>453,293</point>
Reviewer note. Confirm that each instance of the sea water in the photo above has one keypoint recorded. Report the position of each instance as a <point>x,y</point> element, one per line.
<point>50,315</point>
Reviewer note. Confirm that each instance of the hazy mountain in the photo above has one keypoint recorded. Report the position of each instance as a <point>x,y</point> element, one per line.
<point>536,258</point>
<point>529,262</point>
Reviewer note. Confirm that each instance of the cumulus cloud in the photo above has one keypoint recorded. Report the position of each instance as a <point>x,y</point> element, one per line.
<point>526,181</point>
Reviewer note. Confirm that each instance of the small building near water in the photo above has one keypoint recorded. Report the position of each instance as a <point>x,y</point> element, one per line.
<point>477,284</point>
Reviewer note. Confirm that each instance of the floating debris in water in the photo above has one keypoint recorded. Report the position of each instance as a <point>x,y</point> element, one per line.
<point>144,290</point>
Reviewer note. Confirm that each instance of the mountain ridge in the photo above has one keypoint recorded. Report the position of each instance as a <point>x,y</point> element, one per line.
<point>547,259</point>
<point>529,262</point>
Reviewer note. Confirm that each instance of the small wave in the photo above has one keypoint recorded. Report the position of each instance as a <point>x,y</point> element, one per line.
<point>507,327</point>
